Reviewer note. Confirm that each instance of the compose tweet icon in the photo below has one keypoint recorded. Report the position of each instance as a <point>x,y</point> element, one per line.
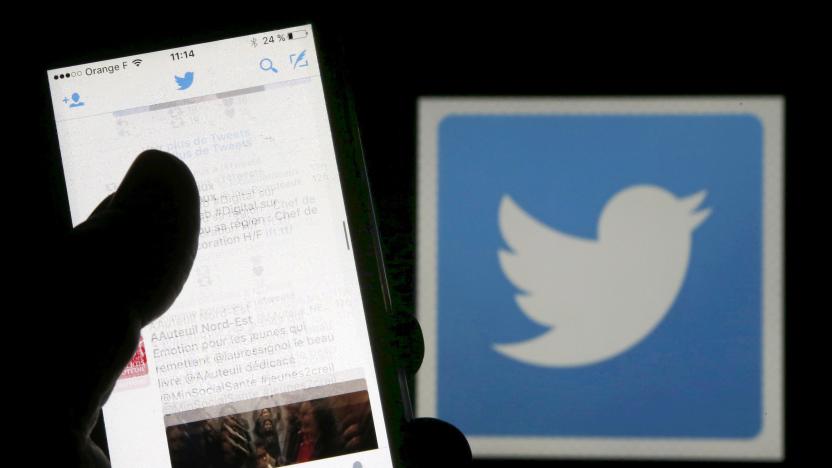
<point>597,276</point>
<point>184,82</point>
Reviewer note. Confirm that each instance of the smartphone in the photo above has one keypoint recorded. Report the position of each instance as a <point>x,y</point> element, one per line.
<point>275,351</point>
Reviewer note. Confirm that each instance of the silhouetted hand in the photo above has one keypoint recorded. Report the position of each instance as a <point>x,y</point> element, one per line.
<point>117,272</point>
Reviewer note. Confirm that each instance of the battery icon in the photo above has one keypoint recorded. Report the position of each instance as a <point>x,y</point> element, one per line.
<point>299,34</point>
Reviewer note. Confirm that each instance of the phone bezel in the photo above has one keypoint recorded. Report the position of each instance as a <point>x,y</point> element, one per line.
<point>364,237</point>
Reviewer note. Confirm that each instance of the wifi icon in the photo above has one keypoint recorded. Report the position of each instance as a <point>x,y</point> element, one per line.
<point>137,62</point>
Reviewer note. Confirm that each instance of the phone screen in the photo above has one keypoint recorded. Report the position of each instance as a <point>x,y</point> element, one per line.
<point>264,359</point>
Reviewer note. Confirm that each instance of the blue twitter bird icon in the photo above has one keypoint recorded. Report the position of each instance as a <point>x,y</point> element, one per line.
<point>184,82</point>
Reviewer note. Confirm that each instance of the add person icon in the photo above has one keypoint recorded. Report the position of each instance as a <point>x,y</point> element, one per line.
<point>76,100</point>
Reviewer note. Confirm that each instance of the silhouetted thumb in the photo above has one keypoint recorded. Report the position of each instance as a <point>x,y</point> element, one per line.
<point>120,269</point>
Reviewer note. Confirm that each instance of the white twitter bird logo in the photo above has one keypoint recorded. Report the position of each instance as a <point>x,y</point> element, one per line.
<point>600,297</point>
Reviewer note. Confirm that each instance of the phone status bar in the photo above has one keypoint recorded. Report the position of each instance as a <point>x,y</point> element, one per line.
<point>264,40</point>
<point>183,73</point>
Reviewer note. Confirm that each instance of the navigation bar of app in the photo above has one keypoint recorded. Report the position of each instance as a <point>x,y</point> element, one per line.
<point>192,72</point>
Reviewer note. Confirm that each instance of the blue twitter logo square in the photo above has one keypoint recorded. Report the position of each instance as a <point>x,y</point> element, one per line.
<point>600,276</point>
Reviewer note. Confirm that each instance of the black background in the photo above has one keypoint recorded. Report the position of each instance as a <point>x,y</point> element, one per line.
<point>396,53</point>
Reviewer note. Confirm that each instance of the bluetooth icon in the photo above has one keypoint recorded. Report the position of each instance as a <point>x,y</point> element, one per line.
<point>254,42</point>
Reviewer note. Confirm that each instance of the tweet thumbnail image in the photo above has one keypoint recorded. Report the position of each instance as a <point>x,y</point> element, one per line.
<point>603,277</point>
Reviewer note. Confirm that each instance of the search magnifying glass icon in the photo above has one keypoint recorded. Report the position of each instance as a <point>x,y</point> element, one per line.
<point>266,65</point>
